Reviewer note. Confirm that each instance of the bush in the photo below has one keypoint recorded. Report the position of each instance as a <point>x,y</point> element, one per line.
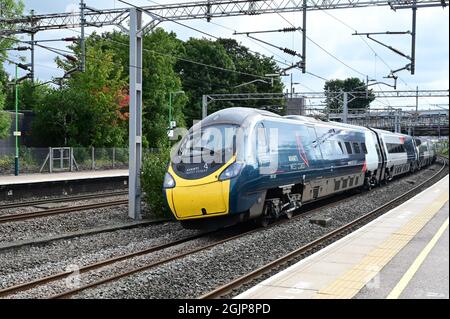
<point>152,177</point>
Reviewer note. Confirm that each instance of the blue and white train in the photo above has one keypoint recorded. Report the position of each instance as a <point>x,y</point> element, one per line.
<point>241,163</point>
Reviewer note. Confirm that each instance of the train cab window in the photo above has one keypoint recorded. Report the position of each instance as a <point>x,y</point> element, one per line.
<point>339,148</point>
<point>364,148</point>
<point>261,139</point>
<point>356,148</point>
<point>348,148</point>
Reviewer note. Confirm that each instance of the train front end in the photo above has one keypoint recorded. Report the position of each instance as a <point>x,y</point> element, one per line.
<point>200,177</point>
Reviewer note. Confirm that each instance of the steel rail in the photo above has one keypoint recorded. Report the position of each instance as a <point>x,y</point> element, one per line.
<point>110,261</point>
<point>59,210</point>
<point>237,283</point>
<point>44,280</point>
<point>61,199</point>
<point>175,257</point>
<point>28,285</point>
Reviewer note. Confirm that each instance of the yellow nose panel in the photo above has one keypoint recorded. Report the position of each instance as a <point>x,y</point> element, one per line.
<point>200,197</point>
<point>200,200</point>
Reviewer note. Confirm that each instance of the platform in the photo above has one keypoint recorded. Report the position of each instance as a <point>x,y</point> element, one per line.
<point>402,254</point>
<point>64,176</point>
<point>65,183</point>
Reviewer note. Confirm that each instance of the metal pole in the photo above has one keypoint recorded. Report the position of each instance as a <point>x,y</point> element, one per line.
<point>93,158</point>
<point>16,158</point>
<point>413,39</point>
<point>204,106</point>
<point>170,109</point>
<point>292,85</point>
<point>417,100</point>
<point>82,40</point>
<point>439,125</point>
<point>135,134</point>
<point>345,108</point>
<point>304,37</point>
<point>71,159</point>
<point>113,157</point>
<point>50,152</point>
<point>32,50</point>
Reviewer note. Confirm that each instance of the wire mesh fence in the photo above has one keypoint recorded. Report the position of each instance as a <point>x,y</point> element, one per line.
<point>60,159</point>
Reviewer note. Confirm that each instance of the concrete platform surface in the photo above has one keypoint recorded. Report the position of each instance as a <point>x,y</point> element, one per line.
<point>56,177</point>
<point>398,255</point>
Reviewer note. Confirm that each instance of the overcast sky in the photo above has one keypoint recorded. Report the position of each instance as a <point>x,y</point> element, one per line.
<point>332,30</point>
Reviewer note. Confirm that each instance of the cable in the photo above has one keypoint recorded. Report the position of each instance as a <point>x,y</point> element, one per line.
<point>317,76</point>
<point>323,49</point>
<point>183,59</point>
<point>163,54</point>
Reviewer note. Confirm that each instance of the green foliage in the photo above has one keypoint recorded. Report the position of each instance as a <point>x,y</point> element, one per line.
<point>442,147</point>
<point>87,110</point>
<point>91,108</point>
<point>361,99</point>
<point>159,78</point>
<point>5,119</point>
<point>5,124</point>
<point>6,162</point>
<point>199,79</point>
<point>152,178</point>
<point>31,96</point>
<point>8,9</point>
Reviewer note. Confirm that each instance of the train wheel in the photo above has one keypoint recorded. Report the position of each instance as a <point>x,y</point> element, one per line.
<point>289,215</point>
<point>264,221</point>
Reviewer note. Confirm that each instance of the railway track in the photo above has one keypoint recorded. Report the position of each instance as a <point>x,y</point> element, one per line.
<point>61,199</point>
<point>59,210</point>
<point>219,291</point>
<point>59,276</point>
<point>314,245</point>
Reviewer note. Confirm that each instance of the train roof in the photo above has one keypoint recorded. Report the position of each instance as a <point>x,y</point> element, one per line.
<point>236,115</point>
<point>302,118</point>
<point>389,132</point>
<point>346,125</point>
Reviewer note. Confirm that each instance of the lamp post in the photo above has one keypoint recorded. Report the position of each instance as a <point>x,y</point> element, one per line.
<point>16,132</point>
<point>170,106</point>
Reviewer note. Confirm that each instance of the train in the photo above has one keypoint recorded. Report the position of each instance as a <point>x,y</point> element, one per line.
<point>241,164</point>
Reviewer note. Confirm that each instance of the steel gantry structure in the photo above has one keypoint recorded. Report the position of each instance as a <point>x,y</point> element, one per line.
<point>195,10</point>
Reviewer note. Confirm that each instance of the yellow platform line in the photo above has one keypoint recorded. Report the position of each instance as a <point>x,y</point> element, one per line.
<point>345,287</point>
<point>401,285</point>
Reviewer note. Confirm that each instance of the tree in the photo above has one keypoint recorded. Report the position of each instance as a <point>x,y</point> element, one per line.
<point>8,9</point>
<point>30,95</point>
<point>242,66</point>
<point>360,98</point>
<point>199,79</point>
<point>160,52</point>
<point>87,110</point>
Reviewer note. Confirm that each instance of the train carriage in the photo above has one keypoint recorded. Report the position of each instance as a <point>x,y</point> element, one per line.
<point>240,163</point>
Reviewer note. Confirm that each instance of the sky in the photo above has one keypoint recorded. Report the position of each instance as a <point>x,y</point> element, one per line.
<point>332,51</point>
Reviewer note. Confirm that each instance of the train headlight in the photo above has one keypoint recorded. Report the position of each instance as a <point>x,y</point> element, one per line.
<point>231,171</point>
<point>169,182</point>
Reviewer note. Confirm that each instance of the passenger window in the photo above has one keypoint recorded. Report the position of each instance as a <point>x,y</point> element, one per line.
<point>348,147</point>
<point>364,148</point>
<point>356,148</point>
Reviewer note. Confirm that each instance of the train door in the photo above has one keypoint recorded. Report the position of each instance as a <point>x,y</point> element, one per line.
<point>382,151</point>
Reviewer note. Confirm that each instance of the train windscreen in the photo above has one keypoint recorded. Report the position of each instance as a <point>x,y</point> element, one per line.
<point>205,150</point>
